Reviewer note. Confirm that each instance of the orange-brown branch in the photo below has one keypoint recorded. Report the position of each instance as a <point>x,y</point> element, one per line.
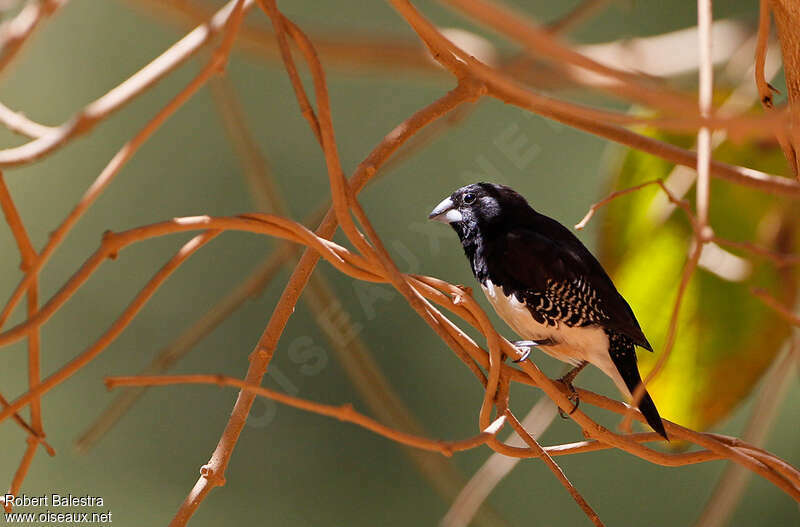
<point>344,412</point>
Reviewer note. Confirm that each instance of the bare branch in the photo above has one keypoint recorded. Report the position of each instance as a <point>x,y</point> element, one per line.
<point>343,413</point>
<point>580,13</point>
<point>614,195</point>
<point>496,467</point>
<point>15,32</point>
<point>476,78</point>
<point>262,355</point>
<point>214,66</point>
<point>28,254</point>
<point>115,99</point>
<point>555,469</point>
<point>731,485</point>
<point>764,88</point>
<point>782,310</point>
<point>18,123</point>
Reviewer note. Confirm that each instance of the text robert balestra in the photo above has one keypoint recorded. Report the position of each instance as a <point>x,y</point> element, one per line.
<point>53,500</point>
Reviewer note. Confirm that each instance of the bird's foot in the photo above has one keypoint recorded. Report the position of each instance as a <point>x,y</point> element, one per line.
<point>566,380</point>
<point>574,399</point>
<point>525,346</point>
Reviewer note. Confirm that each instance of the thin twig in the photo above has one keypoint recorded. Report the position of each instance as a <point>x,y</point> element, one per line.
<point>354,51</point>
<point>764,88</point>
<point>115,242</point>
<point>116,328</point>
<point>783,476</point>
<point>775,304</point>
<point>702,231</point>
<point>616,194</point>
<point>262,355</point>
<point>672,333</point>
<point>18,123</point>
<point>4,403</point>
<point>186,341</point>
<point>373,263</point>
<point>555,469</point>
<point>779,259</point>
<point>577,15</point>
<point>496,467</point>
<point>787,19</point>
<point>135,85</point>
<point>505,89</point>
<point>360,53</point>
<point>343,336</point>
<point>215,65</point>
<point>15,32</point>
<point>352,264</point>
<point>728,491</point>
<point>28,254</point>
<point>343,412</point>
<point>22,471</point>
<point>705,93</point>
<point>279,26</point>
<point>540,41</point>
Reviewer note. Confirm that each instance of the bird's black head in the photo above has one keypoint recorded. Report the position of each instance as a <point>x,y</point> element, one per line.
<point>480,207</point>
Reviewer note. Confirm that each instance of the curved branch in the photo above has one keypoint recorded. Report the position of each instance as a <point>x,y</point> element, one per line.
<point>344,412</point>
<point>262,355</point>
<point>115,99</point>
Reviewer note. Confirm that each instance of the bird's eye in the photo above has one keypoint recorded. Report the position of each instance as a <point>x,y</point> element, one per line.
<point>469,197</point>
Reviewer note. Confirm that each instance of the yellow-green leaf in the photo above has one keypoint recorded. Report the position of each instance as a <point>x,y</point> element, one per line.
<point>726,337</point>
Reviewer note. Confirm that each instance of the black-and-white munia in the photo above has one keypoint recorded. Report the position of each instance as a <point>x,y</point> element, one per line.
<point>546,285</point>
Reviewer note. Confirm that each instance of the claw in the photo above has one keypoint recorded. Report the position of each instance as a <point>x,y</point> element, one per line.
<point>566,380</point>
<point>573,397</point>
<point>525,347</point>
<point>526,351</point>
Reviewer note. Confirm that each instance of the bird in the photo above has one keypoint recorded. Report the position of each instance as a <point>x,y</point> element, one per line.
<point>548,287</point>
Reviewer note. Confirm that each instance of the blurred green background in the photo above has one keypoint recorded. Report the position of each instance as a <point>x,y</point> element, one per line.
<point>294,468</point>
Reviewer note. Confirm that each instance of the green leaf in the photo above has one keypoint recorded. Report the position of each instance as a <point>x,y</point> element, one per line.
<point>726,337</point>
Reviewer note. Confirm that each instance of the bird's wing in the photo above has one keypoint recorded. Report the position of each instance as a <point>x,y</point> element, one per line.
<point>528,264</point>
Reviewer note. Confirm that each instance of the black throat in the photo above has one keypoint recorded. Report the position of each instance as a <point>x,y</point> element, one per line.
<point>478,240</point>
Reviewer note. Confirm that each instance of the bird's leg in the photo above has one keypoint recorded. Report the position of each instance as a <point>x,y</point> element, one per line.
<point>524,346</point>
<point>566,380</point>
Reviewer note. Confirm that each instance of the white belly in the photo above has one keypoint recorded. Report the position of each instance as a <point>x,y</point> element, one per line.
<point>572,344</point>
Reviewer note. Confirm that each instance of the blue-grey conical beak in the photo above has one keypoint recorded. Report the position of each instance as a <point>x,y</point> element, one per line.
<point>445,212</point>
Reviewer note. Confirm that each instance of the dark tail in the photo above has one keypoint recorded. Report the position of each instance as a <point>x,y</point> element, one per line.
<point>623,354</point>
<point>648,409</point>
